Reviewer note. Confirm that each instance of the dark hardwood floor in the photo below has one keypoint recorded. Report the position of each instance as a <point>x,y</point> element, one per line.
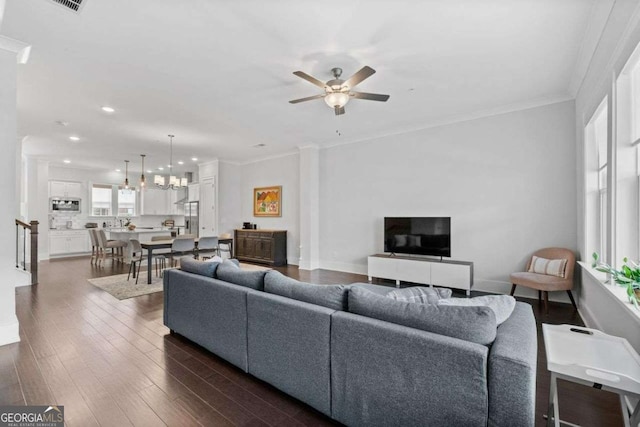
<point>113,362</point>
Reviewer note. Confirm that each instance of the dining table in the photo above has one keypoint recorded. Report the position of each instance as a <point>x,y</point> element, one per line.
<point>166,244</point>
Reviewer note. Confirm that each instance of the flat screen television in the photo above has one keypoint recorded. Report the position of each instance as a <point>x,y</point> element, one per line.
<point>418,235</point>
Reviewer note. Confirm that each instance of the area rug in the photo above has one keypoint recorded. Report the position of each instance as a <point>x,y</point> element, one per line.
<point>121,288</point>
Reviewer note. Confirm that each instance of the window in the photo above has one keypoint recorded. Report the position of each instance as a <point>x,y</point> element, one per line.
<point>596,136</point>
<point>101,200</point>
<point>126,202</point>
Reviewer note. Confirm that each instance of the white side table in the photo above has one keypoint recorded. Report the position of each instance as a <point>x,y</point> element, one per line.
<point>595,359</point>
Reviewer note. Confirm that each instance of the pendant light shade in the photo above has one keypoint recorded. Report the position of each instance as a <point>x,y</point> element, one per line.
<point>126,174</point>
<point>143,180</point>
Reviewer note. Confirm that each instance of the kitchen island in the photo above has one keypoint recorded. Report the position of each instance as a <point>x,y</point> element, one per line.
<point>141,234</point>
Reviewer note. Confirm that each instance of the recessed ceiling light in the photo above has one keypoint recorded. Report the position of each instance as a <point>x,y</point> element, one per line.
<point>74,138</point>
<point>149,171</point>
<point>118,170</point>
<point>108,109</point>
<point>67,161</point>
<point>180,162</point>
<point>161,169</point>
<point>168,166</point>
<point>195,159</point>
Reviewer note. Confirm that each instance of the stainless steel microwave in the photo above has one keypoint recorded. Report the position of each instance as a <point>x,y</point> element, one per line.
<point>57,204</point>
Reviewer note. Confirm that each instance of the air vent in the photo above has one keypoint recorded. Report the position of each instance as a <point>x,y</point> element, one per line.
<point>75,5</point>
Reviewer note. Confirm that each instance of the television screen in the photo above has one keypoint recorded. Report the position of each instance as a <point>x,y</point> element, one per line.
<point>418,235</point>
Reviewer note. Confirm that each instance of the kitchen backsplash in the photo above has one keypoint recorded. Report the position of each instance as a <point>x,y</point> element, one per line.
<point>60,220</point>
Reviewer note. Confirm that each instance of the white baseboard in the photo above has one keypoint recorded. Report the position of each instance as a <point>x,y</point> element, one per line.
<point>22,278</point>
<point>10,331</point>
<point>344,267</point>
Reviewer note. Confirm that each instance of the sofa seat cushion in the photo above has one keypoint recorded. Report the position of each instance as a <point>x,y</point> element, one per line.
<point>330,296</point>
<point>201,268</point>
<point>502,305</point>
<point>474,324</point>
<point>541,282</point>
<point>230,271</point>
<point>420,294</point>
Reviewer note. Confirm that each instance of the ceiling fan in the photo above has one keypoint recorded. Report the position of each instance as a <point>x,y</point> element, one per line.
<point>337,92</point>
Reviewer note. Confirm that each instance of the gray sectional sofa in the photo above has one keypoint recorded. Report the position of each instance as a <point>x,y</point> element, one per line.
<point>356,355</point>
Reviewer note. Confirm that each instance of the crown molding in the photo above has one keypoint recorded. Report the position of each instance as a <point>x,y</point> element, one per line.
<point>589,46</point>
<point>21,49</point>
<point>460,118</point>
<point>262,159</point>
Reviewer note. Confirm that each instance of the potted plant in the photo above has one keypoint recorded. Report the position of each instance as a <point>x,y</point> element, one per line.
<point>628,276</point>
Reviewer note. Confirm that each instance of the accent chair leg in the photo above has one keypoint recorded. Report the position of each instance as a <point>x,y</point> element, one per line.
<point>513,289</point>
<point>572,300</point>
<point>539,295</point>
<point>172,332</point>
<point>546,302</point>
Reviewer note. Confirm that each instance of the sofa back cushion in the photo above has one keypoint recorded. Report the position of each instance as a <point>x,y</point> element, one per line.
<point>475,324</point>
<point>330,296</point>
<point>230,271</point>
<point>201,268</point>
<point>421,294</point>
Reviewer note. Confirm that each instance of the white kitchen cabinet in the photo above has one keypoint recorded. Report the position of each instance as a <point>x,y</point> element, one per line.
<point>65,189</point>
<point>154,202</point>
<point>64,242</point>
<point>193,192</point>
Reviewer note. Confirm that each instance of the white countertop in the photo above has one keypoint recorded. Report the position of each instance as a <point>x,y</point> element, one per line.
<point>138,230</point>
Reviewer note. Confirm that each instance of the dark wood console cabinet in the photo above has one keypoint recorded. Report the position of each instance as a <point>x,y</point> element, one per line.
<point>263,246</point>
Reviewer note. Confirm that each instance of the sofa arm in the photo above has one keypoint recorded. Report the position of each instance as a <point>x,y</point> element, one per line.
<point>512,370</point>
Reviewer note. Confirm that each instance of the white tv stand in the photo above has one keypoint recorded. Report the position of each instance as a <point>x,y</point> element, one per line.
<point>427,271</point>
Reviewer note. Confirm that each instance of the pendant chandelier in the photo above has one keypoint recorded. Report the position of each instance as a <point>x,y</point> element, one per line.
<point>173,182</point>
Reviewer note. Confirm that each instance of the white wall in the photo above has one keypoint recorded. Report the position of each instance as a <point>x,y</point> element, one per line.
<point>9,209</point>
<point>236,197</point>
<point>230,197</point>
<point>507,181</point>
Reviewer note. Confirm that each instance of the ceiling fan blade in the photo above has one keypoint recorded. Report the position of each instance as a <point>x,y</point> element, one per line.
<point>310,79</point>
<point>338,110</point>
<point>308,98</point>
<point>364,73</point>
<point>370,96</point>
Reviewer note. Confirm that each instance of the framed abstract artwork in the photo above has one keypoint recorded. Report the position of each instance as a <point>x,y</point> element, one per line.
<point>267,201</point>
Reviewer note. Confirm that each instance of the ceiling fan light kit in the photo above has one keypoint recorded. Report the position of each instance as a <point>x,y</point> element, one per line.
<point>337,92</point>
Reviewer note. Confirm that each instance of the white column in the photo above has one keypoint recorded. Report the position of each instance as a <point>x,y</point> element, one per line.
<point>10,50</point>
<point>309,206</point>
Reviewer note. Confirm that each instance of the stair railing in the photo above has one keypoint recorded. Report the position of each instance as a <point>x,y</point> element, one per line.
<point>22,229</point>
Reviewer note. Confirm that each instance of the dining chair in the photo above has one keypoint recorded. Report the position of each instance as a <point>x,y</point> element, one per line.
<point>138,258</point>
<point>208,247</point>
<point>181,246</point>
<point>225,247</point>
<point>116,246</point>
<point>94,246</point>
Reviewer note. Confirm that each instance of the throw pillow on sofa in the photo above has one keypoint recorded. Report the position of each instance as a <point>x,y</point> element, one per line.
<point>230,271</point>
<point>421,294</point>
<point>195,266</point>
<point>502,305</point>
<point>475,323</point>
<point>330,296</point>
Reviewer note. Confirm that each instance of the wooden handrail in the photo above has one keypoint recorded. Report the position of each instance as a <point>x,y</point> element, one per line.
<point>24,224</point>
